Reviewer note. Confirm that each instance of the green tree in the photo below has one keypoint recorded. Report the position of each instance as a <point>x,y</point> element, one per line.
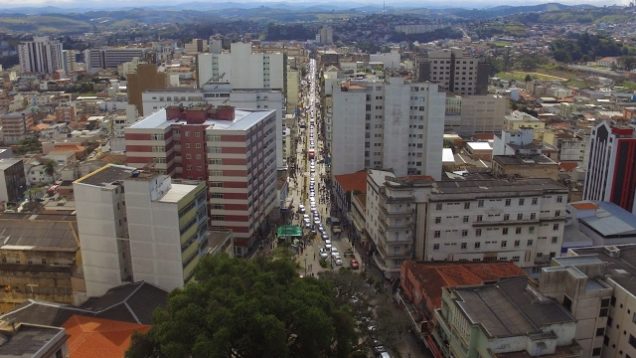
<point>249,308</point>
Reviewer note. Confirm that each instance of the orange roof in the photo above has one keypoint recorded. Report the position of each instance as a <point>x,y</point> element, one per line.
<point>353,182</point>
<point>40,126</point>
<point>483,136</point>
<point>584,205</point>
<point>98,337</point>
<point>434,276</point>
<point>568,166</point>
<point>68,147</point>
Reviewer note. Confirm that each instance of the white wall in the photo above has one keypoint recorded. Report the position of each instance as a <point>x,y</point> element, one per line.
<point>349,110</point>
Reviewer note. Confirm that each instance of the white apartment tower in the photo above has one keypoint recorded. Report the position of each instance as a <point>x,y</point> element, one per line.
<point>393,124</point>
<point>136,226</point>
<point>41,55</point>
<point>242,68</point>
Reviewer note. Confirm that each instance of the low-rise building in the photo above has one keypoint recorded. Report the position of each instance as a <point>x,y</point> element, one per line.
<point>16,127</point>
<point>527,166</point>
<point>504,319</point>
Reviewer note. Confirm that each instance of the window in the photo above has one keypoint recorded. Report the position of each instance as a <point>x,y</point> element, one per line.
<point>519,216</point>
<point>567,303</point>
<point>435,246</point>
<point>555,239</point>
<point>533,216</point>
<point>506,217</point>
<point>464,246</point>
<point>531,229</point>
<point>436,234</point>
<point>478,232</point>
<point>613,301</point>
<point>603,313</point>
<point>559,199</point>
<point>522,201</point>
<point>438,220</point>
<point>605,302</point>
<point>197,134</point>
<point>438,206</point>
<point>504,243</point>
<point>508,201</point>
<point>557,213</point>
<point>187,133</point>
<point>517,243</point>
<point>466,218</point>
<point>518,230</point>
<point>504,231</point>
<point>479,218</point>
<point>529,243</point>
<point>464,233</point>
<point>632,341</point>
<point>535,201</point>
<point>555,227</point>
<point>477,245</point>
<point>467,205</point>
<point>596,352</point>
<point>480,204</point>
<point>600,331</point>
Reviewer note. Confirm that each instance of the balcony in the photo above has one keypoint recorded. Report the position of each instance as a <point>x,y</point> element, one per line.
<point>392,210</point>
<point>505,222</point>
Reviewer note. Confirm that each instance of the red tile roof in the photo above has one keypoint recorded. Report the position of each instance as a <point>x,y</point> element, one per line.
<point>97,337</point>
<point>353,182</point>
<point>568,166</point>
<point>584,205</point>
<point>433,276</point>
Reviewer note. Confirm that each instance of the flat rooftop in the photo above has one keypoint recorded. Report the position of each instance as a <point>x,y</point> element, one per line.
<point>497,186</point>
<point>243,119</point>
<point>7,163</point>
<point>177,192</point>
<point>510,308</point>
<point>523,159</point>
<point>28,340</point>
<point>107,175</point>
<point>620,259</point>
<point>611,221</point>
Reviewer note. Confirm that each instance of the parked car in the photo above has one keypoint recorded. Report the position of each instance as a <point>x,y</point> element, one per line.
<point>354,264</point>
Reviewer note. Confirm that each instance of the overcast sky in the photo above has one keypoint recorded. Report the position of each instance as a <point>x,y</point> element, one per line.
<point>440,3</point>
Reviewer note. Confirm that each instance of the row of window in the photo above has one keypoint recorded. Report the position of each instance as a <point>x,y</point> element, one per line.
<point>507,202</point>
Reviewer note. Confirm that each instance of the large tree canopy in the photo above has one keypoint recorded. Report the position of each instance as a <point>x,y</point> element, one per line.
<point>249,308</point>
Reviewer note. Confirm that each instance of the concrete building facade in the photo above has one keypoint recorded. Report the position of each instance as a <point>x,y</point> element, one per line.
<point>394,125</point>
<point>454,71</point>
<point>41,55</point>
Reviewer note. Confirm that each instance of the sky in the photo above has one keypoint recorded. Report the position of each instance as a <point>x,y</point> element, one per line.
<point>128,3</point>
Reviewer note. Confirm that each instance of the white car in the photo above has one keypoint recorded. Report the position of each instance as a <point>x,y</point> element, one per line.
<point>301,208</point>
<point>338,261</point>
<point>328,247</point>
<point>324,253</point>
<point>328,242</point>
<point>306,216</point>
<point>316,221</point>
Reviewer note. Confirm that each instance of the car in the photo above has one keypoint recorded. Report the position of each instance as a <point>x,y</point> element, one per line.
<point>324,254</point>
<point>317,221</point>
<point>327,241</point>
<point>307,225</point>
<point>338,261</point>
<point>325,236</point>
<point>354,264</point>
<point>372,328</point>
<point>328,247</point>
<point>305,216</point>
<point>301,208</point>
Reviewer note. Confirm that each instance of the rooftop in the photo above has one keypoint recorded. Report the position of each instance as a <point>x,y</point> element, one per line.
<point>26,234</point>
<point>133,302</point>
<point>434,276</point>
<point>480,145</point>
<point>177,192</point>
<point>107,175</point>
<point>606,219</point>
<point>497,186</point>
<point>523,159</point>
<point>91,336</point>
<point>7,163</point>
<point>353,182</point>
<point>510,308</point>
<point>28,340</point>
<point>620,259</point>
<point>243,119</point>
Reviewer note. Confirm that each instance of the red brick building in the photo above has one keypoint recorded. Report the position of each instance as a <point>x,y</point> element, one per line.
<point>233,150</point>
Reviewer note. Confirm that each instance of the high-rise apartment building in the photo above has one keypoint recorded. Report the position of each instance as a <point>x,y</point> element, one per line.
<point>454,71</point>
<point>410,217</point>
<point>111,57</point>
<point>69,62</point>
<point>243,68</point>
<point>41,55</point>
<point>611,166</point>
<point>138,226</point>
<point>393,124</point>
<point>220,94</point>
<point>326,35</point>
<point>12,180</point>
<point>233,150</point>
